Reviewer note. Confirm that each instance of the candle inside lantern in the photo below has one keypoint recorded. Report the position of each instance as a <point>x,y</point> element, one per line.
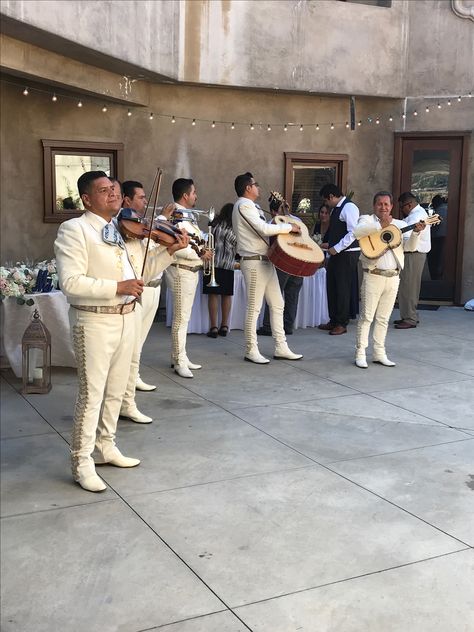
<point>37,376</point>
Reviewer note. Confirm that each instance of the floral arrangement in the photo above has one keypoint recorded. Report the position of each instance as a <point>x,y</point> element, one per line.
<point>304,205</point>
<point>27,278</point>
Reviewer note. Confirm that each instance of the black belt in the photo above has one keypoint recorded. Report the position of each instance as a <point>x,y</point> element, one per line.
<point>255,258</point>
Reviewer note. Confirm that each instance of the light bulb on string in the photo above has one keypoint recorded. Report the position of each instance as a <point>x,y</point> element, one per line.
<point>285,128</point>
<point>151,116</point>
<point>232,126</point>
<point>251,126</point>
<point>269,128</point>
<point>213,124</point>
<point>404,115</point>
<point>415,113</point>
<point>377,121</point>
<point>317,127</point>
<point>25,92</point>
<point>79,104</point>
<point>359,123</point>
<point>193,122</point>
<point>104,108</point>
<point>129,113</point>
<point>390,118</point>
<point>449,101</point>
<point>173,120</point>
<point>459,98</point>
<point>332,125</point>
<point>347,125</point>
<point>301,127</point>
<point>427,109</point>
<point>470,95</point>
<point>369,119</point>
<point>54,98</point>
<point>439,106</point>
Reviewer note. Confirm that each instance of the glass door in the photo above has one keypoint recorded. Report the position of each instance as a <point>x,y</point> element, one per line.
<point>432,169</point>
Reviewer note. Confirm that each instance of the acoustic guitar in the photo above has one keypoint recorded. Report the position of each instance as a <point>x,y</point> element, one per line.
<point>294,254</point>
<point>377,243</point>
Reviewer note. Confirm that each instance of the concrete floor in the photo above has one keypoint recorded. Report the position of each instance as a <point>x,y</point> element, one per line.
<point>308,496</point>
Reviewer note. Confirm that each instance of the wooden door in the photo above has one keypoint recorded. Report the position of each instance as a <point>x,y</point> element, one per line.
<point>434,168</point>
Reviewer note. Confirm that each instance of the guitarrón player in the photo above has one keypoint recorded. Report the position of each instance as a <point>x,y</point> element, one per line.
<point>380,280</point>
<point>252,234</point>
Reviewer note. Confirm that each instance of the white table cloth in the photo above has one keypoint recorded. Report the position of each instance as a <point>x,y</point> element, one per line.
<point>312,305</point>
<point>53,309</point>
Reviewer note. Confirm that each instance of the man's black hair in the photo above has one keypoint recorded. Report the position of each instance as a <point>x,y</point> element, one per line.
<point>330,189</point>
<point>180,187</point>
<point>242,182</point>
<point>129,186</point>
<point>408,196</point>
<point>85,181</point>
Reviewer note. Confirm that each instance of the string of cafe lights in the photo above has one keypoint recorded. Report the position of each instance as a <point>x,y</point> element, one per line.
<point>434,103</point>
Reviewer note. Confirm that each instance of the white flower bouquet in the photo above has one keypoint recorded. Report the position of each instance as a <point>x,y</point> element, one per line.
<point>27,278</point>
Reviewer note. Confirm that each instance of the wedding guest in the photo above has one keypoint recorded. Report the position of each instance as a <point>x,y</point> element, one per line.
<point>225,244</point>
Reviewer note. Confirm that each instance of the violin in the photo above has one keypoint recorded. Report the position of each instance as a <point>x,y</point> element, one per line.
<point>132,226</point>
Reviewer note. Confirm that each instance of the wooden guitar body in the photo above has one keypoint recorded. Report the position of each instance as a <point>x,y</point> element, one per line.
<point>297,255</point>
<point>374,245</point>
<point>377,243</point>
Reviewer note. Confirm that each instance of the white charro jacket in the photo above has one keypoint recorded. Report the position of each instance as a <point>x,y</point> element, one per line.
<point>90,268</point>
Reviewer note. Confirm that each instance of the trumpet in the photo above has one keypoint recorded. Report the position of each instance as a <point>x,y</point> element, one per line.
<point>209,268</point>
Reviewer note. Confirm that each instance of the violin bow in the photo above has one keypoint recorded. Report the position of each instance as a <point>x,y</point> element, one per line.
<point>158,176</point>
<point>151,192</point>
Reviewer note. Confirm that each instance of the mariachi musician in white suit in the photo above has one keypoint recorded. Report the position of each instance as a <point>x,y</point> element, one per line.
<point>101,278</point>
<point>252,232</point>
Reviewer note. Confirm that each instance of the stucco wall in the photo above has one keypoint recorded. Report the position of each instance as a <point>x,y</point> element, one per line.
<point>235,43</point>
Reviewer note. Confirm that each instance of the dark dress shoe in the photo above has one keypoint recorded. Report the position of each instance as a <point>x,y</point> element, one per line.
<point>264,332</point>
<point>400,320</point>
<point>338,330</point>
<point>212,333</point>
<point>405,325</point>
<point>223,331</point>
<point>326,327</point>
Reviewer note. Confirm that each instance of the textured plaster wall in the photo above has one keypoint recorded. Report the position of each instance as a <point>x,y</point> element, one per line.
<point>238,43</point>
<point>141,33</point>
<point>440,52</point>
<point>213,157</point>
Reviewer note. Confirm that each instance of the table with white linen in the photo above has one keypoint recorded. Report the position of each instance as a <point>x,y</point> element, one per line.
<point>53,310</point>
<point>312,305</point>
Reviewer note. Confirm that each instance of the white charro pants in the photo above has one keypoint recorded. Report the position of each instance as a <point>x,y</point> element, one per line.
<point>103,345</point>
<point>145,315</point>
<point>378,294</point>
<point>261,282</point>
<point>183,284</point>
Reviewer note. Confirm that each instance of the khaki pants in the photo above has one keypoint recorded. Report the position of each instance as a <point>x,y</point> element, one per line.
<point>261,281</point>
<point>144,315</point>
<point>410,284</point>
<point>103,345</point>
<point>183,284</point>
<point>378,295</point>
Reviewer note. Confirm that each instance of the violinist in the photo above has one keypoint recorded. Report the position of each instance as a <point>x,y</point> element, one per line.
<point>134,198</point>
<point>100,275</point>
<point>182,276</point>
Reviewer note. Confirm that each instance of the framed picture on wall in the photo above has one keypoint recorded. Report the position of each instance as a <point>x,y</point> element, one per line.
<point>64,162</point>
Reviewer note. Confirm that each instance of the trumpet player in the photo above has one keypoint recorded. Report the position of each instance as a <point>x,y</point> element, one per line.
<point>182,276</point>
<point>223,264</point>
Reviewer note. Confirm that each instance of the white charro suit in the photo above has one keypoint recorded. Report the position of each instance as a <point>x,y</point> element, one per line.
<point>261,280</point>
<point>182,278</point>
<point>89,270</point>
<point>378,291</point>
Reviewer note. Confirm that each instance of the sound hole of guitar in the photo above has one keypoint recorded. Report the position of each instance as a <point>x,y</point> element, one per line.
<point>387,237</point>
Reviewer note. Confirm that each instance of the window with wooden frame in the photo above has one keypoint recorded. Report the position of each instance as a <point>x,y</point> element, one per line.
<point>64,162</point>
<point>306,174</point>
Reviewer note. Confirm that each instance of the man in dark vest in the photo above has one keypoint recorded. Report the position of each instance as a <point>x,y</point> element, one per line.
<point>344,253</point>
